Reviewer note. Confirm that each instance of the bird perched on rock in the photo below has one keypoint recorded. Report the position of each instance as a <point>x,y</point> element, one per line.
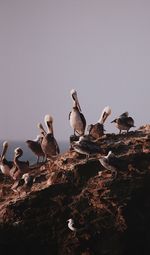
<point>106,162</point>
<point>71,225</point>
<point>19,167</point>
<point>49,144</point>
<point>77,119</point>
<point>124,122</point>
<point>35,147</point>
<point>5,165</point>
<point>97,130</point>
<point>85,146</point>
<point>23,184</point>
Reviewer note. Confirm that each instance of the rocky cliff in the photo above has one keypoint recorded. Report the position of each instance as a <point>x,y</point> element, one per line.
<point>112,215</point>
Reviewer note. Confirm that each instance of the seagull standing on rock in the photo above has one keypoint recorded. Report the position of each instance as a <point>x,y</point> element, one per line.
<point>106,163</point>
<point>85,146</point>
<point>71,225</point>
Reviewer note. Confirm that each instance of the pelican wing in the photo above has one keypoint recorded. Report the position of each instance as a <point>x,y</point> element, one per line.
<point>83,120</point>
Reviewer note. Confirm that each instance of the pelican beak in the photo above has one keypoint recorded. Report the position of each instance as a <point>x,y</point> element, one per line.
<point>75,98</point>
<point>78,105</point>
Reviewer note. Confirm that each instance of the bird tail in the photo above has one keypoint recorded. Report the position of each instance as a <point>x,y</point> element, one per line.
<point>105,113</point>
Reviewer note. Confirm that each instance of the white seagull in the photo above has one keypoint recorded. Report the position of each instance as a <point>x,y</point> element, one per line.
<point>71,225</point>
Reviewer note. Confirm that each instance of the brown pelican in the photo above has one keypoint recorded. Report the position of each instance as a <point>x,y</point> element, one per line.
<point>35,147</point>
<point>77,119</point>
<point>49,144</point>
<point>23,184</point>
<point>20,167</point>
<point>97,130</point>
<point>5,165</point>
<point>85,146</point>
<point>106,162</point>
<point>124,122</point>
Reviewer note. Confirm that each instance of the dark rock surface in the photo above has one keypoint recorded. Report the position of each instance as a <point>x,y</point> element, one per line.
<point>112,216</point>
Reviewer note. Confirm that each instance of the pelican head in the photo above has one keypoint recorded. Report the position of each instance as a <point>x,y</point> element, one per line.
<point>40,126</point>
<point>48,118</point>
<point>5,147</point>
<point>25,177</point>
<point>18,151</point>
<point>110,154</point>
<point>38,138</point>
<point>49,123</point>
<point>74,96</point>
<point>70,220</point>
<point>5,144</point>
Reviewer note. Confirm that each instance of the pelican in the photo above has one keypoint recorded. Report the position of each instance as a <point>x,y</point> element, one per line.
<point>85,146</point>
<point>20,167</point>
<point>77,119</point>
<point>124,122</point>
<point>5,165</point>
<point>49,144</point>
<point>97,130</point>
<point>106,162</point>
<point>35,147</point>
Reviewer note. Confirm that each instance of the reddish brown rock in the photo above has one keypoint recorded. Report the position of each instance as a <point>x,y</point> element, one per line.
<point>111,215</point>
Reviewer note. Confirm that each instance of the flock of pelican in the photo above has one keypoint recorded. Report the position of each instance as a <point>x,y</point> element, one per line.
<point>46,146</point>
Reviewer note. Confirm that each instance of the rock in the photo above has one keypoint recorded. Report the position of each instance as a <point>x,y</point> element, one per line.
<point>111,215</point>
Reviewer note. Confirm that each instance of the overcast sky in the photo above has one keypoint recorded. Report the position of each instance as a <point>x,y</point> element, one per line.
<point>47,47</point>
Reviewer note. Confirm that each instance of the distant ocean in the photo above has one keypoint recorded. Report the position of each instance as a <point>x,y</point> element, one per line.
<point>27,153</point>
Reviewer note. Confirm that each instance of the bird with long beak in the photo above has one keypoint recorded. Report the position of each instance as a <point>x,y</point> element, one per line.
<point>124,122</point>
<point>5,165</point>
<point>35,147</point>
<point>77,119</point>
<point>49,144</point>
<point>19,167</point>
<point>106,162</point>
<point>97,130</point>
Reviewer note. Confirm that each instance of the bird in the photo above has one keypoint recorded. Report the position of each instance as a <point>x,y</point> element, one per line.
<point>76,118</point>
<point>85,146</point>
<point>49,144</point>
<point>35,147</point>
<point>97,130</point>
<point>71,225</point>
<point>19,167</point>
<point>106,162</point>
<point>124,122</point>
<point>23,184</point>
<point>5,165</point>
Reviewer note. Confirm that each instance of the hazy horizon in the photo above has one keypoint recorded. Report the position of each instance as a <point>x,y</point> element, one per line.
<point>100,48</point>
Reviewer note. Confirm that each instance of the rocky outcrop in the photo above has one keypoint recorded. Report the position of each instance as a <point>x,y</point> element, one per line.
<point>111,215</point>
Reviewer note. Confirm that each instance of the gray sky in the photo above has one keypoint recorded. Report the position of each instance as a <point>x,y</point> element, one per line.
<point>47,47</point>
